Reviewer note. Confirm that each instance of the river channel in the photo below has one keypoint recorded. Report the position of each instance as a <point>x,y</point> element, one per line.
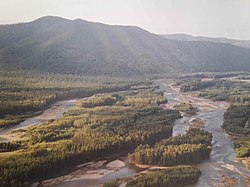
<point>222,162</point>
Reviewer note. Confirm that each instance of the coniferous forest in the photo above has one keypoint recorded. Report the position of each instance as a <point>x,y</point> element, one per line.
<point>23,93</point>
<point>100,126</point>
<point>177,176</point>
<point>192,147</point>
<point>172,176</point>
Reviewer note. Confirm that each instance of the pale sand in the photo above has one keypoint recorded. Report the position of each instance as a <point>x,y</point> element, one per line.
<point>90,170</point>
<point>116,164</point>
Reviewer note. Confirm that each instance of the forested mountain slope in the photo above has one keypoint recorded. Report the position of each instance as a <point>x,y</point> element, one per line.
<point>57,45</point>
<point>186,37</point>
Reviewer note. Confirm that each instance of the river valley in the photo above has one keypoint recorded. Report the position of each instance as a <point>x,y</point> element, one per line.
<point>221,170</point>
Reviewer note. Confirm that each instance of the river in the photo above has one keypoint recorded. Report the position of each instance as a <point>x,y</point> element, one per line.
<point>222,163</point>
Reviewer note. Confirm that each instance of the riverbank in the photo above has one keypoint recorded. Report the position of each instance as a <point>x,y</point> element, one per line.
<point>92,174</point>
<point>90,170</point>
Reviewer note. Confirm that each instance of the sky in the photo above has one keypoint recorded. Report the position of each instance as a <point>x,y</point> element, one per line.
<point>213,18</point>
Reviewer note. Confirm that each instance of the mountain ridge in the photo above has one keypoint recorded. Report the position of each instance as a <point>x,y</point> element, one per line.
<point>187,37</point>
<point>58,45</point>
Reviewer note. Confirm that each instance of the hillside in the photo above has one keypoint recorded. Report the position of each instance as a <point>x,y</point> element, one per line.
<point>57,45</point>
<point>186,37</point>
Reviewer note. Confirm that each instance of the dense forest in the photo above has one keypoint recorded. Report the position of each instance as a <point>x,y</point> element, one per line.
<point>192,136</point>
<point>236,119</point>
<point>23,93</point>
<point>100,126</point>
<point>236,122</point>
<point>192,147</point>
<point>176,176</point>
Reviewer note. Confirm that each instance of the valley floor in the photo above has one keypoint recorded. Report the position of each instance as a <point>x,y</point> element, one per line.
<point>221,170</point>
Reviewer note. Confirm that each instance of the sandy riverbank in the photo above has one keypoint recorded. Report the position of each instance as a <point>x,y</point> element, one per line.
<point>91,170</point>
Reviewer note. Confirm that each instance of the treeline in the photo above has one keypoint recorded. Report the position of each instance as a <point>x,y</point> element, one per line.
<point>193,147</point>
<point>10,122</point>
<point>193,136</point>
<point>10,146</point>
<point>177,176</point>
<point>99,101</point>
<point>194,86</point>
<point>213,75</point>
<point>85,134</point>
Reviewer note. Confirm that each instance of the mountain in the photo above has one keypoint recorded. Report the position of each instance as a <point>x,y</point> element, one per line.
<point>58,45</point>
<point>186,37</point>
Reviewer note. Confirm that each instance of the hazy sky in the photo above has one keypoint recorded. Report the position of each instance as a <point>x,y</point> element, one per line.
<point>216,18</point>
